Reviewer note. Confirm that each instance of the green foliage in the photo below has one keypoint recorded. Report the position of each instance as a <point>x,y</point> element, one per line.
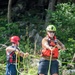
<point>64,19</point>
<point>13,28</point>
<point>25,45</point>
<point>2,69</point>
<point>67,56</point>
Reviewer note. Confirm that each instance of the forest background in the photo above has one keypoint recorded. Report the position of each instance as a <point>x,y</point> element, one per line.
<point>28,19</point>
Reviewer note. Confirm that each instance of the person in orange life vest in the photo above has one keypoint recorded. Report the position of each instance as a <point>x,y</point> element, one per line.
<point>50,44</point>
<point>11,55</point>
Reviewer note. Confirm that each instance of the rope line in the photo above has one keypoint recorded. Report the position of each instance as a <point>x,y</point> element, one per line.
<point>50,64</point>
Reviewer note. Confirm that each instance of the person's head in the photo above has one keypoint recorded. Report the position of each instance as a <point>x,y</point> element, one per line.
<point>15,40</point>
<point>51,29</point>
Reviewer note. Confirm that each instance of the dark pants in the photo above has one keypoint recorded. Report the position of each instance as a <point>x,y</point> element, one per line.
<point>11,69</point>
<point>44,66</point>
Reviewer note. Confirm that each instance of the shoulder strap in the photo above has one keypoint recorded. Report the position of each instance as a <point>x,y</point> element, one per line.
<point>55,40</point>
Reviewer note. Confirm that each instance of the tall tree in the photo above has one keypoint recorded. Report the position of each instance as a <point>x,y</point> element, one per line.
<point>50,7</point>
<point>9,11</point>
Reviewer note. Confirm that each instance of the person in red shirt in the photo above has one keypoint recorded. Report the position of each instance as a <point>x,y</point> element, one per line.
<point>50,52</point>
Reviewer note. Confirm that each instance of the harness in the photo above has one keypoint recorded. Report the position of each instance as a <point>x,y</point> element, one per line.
<point>11,58</point>
<point>47,53</point>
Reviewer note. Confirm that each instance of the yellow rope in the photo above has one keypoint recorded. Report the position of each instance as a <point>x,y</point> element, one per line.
<point>16,63</point>
<point>50,64</point>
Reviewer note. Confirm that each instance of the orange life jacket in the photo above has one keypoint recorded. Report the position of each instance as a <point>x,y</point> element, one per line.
<point>47,52</point>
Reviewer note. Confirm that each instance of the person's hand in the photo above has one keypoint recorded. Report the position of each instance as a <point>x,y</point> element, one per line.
<point>26,54</point>
<point>52,48</point>
<point>16,52</point>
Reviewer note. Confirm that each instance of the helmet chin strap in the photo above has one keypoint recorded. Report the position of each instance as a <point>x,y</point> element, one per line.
<point>50,36</point>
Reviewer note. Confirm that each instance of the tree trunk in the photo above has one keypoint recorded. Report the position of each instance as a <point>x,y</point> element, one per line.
<point>50,7</point>
<point>59,1</point>
<point>9,11</point>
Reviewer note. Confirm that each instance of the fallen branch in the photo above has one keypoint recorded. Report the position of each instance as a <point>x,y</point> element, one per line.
<point>3,46</point>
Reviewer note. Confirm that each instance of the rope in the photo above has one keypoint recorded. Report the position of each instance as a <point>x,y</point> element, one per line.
<point>50,64</point>
<point>16,63</point>
<point>68,62</point>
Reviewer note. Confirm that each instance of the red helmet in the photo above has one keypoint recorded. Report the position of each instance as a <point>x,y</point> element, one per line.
<point>14,39</point>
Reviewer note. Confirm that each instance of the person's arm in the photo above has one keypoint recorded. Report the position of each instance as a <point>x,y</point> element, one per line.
<point>60,45</point>
<point>18,52</point>
<point>10,49</point>
<point>22,54</point>
<point>45,44</point>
